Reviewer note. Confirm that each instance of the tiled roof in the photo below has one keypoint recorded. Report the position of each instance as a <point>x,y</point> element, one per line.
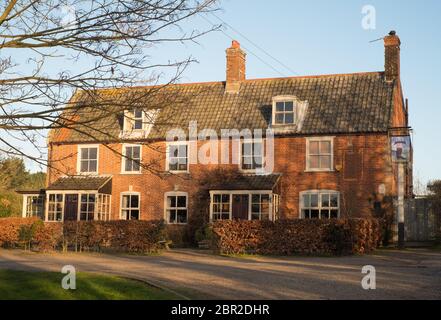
<point>79,183</point>
<point>249,182</point>
<point>347,103</point>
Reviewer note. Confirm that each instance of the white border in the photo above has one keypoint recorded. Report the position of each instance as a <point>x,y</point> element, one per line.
<point>123,158</point>
<point>85,146</point>
<point>317,191</point>
<point>319,139</point>
<point>285,98</point>
<point>167,156</point>
<point>125,193</point>
<point>174,194</point>
<point>252,171</point>
<point>242,192</point>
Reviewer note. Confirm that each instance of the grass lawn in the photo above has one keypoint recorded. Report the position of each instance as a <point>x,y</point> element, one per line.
<point>23,285</point>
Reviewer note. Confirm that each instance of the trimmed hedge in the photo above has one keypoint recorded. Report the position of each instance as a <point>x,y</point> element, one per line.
<point>289,237</point>
<point>123,236</point>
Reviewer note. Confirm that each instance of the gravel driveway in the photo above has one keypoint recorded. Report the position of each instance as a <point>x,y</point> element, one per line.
<point>410,274</point>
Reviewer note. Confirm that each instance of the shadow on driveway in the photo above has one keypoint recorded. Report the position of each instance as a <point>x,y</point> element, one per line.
<point>409,274</point>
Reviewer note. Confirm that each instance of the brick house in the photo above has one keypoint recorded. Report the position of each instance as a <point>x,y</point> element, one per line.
<point>330,150</point>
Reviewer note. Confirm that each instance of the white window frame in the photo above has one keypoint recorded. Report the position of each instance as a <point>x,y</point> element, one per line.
<point>124,159</point>
<point>100,204</point>
<point>129,193</point>
<point>242,192</point>
<point>320,208</point>
<point>167,157</point>
<point>88,146</point>
<point>253,141</point>
<point>212,203</point>
<point>166,208</point>
<point>80,195</point>
<point>319,139</point>
<point>295,111</point>
<point>25,203</point>
<point>129,120</point>
<point>134,119</point>
<point>55,193</point>
<point>270,199</point>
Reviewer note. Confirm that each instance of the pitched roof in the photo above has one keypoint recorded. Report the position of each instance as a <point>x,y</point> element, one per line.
<point>345,103</point>
<point>249,182</point>
<point>79,183</point>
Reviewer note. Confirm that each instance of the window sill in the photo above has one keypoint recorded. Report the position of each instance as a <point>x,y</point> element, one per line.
<point>283,125</point>
<point>88,173</point>
<point>319,170</point>
<point>178,172</point>
<point>177,224</point>
<point>130,173</point>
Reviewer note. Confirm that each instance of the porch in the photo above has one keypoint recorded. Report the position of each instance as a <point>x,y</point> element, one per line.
<point>246,198</point>
<point>74,198</point>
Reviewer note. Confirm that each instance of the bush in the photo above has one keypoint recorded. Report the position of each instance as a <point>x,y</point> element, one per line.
<point>10,230</point>
<point>288,237</point>
<point>124,236</point>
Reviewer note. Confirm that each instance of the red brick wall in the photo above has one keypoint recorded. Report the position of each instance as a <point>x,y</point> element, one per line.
<point>357,181</point>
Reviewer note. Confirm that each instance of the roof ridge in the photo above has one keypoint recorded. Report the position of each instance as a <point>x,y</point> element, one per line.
<point>246,80</point>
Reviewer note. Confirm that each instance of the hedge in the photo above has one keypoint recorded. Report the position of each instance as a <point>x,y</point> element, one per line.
<point>289,237</point>
<point>123,236</point>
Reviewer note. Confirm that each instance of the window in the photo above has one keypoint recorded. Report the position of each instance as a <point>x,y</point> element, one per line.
<point>88,162</point>
<point>55,207</point>
<point>87,207</point>
<point>34,206</point>
<point>252,155</point>
<point>103,207</point>
<point>133,119</point>
<point>132,159</point>
<point>176,208</point>
<point>221,207</point>
<point>137,119</point>
<point>283,113</point>
<point>177,157</point>
<point>260,206</point>
<point>319,154</point>
<point>130,207</point>
<point>320,204</point>
<point>138,123</point>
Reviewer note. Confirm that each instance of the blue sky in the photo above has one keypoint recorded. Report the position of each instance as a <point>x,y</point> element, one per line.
<point>326,37</point>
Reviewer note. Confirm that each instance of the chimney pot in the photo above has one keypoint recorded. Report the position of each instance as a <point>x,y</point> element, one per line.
<point>236,65</point>
<point>235,44</point>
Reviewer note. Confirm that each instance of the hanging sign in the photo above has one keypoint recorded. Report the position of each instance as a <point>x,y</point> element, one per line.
<point>400,146</point>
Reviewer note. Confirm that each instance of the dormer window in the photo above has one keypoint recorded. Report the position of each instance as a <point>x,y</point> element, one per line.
<point>284,113</point>
<point>137,119</point>
<point>133,119</point>
<point>288,113</point>
<point>138,122</point>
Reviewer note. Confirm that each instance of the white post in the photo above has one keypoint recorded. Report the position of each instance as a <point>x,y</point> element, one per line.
<point>24,207</point>
<point>400,210</point>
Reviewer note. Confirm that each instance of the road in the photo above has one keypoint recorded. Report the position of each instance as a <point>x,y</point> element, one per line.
<point>409,274</point>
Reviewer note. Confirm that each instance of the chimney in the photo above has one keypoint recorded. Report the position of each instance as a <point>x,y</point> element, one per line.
<point>392,56</point>
<point>235,67</point>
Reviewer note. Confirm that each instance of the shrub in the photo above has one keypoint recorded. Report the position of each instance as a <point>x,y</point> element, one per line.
<point>10,230</point>
<point>288,237</point>
<point>124,236</point>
